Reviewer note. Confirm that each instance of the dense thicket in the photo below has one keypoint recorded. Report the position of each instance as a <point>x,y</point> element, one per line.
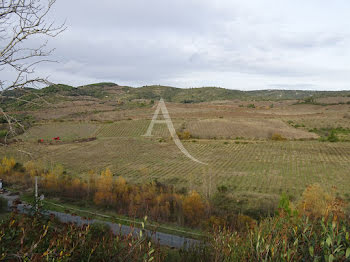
<point>281,238</point>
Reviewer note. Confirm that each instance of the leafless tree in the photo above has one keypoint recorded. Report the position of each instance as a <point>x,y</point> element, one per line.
<point>21,21</point>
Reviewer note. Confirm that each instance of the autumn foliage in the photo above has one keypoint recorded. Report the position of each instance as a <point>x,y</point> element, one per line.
<point>315,202</point>
<point>194,208</point>
<point>157,201</point>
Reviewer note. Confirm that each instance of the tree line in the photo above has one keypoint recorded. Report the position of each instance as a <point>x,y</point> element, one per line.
<point>158,201</point>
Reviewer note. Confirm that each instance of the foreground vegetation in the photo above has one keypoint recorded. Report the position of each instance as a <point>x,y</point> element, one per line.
<point>285,237</point>
<point>315,228</point>
<point>27,238</point>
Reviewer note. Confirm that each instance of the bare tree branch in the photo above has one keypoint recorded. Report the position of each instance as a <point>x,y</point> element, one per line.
<point>21,20</point>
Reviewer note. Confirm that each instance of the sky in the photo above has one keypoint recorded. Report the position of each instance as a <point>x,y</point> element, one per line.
<point>246,45</point>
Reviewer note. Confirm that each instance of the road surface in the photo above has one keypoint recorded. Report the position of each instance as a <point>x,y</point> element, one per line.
<point>162,238</point>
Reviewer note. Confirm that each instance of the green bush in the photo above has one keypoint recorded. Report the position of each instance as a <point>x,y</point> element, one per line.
<point>222,189</point>
<point>309,100</point>
<point>332,137</point>
<point>3,133</point>
<point>3,205</point>
<point>3,120</point>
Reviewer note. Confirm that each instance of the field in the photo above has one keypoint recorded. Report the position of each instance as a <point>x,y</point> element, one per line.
<point>255,166</point>
<point>251,167</point>
<point>234,138</point>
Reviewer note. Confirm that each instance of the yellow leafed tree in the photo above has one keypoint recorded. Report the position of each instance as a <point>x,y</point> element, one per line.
<point>105,195</point>
<point>193,208</point>
<point>7,164</point>
<point>316,202</point>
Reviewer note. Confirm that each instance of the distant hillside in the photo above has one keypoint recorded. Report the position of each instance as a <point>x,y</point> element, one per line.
<point>113,92</point>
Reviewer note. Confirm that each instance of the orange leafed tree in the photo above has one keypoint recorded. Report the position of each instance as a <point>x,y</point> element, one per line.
<point>193,208</point>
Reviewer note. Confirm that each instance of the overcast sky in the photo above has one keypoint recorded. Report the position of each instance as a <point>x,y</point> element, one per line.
<point>255,44</point>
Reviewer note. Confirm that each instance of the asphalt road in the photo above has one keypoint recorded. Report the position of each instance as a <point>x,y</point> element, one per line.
<point>162,238</point>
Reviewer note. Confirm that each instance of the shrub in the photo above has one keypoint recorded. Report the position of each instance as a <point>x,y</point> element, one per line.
<point>284,205</point>
<point>98,230</point>
<point>193,208</point>
<point>333,137</point>
<point>188,101</point>
<point>241,223</point>
<point>3,204</point>
<point>315,202</point>
<point>3,133</point>
<point>26,238</point>
<point>222,189</point>
<point>184,135</point>
<point>282,238</point>
<point>278,137</point>
<point>3,120</point>
<point>309,100</point>
<point>7,164</point>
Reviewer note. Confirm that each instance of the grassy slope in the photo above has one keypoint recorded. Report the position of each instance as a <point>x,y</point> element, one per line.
<point>34,98</point>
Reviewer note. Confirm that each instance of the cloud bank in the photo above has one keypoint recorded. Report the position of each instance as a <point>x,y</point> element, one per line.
<point>191,43</point>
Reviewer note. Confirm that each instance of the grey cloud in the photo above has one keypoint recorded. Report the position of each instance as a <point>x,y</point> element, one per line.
<point>311,40</point>
<point>185,41</point>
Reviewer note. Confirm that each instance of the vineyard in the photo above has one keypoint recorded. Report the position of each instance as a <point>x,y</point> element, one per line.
<point>234,138</point>
<point>198,128</point>
<point>66,131</point>
<point>256,167</point>
<point>133,128</point>
<point>232,128</point>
